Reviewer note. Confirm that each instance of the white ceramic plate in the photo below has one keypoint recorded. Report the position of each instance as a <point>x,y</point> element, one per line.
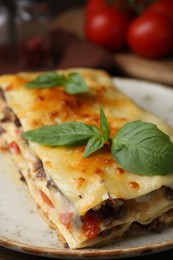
<point>23,230</point>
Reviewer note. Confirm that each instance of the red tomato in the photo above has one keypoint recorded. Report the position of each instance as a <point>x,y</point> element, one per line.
<point>90,226</point>
<point>107,27</point>
<point>164,7</point>
<point>46,199</point>
<point>65,218</point>
<point>93,5</point>
<point>150,35</point>
<point>14,147</point>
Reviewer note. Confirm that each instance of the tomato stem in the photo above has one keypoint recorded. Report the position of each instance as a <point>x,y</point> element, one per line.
<point>138,6</point>
<point>110,2</point>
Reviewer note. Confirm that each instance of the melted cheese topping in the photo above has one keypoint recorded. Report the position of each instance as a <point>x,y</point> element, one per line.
<point>85,182</point>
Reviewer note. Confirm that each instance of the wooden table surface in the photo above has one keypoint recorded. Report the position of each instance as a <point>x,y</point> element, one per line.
<point>7,254</point>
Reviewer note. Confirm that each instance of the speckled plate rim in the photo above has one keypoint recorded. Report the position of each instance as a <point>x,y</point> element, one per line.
<point>94,252</point>
<point>101,253</point>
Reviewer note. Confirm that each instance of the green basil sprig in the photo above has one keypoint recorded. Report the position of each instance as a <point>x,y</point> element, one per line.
<point>66,134</point>
<point>139,147</point>
<point>142,148</point>
<point>97,141</point>
<point>72,134</point>
<point>73,83</point>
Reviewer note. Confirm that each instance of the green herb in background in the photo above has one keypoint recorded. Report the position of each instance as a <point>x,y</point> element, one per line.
<point>73,83</point>
<point>138,147</point>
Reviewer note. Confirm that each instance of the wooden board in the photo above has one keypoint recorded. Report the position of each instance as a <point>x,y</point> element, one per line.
<point>155,70</point>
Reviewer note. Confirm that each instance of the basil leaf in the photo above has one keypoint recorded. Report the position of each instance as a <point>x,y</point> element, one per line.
<point>47,80</point>
<point>66,134</point>
<point>142,148</point>
<point>75,84</point>
<point>104,126</point>
<point>94,144</point>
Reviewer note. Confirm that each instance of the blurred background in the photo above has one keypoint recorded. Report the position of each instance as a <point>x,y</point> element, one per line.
<point>128,38</point>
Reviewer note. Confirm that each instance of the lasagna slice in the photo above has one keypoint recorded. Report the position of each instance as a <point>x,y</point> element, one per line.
<point>88,200</point>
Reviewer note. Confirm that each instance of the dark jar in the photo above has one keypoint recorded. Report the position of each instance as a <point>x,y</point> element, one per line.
<point>32,31</point>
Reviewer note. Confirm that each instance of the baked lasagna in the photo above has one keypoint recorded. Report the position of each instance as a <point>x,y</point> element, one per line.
<point>91,200</point>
